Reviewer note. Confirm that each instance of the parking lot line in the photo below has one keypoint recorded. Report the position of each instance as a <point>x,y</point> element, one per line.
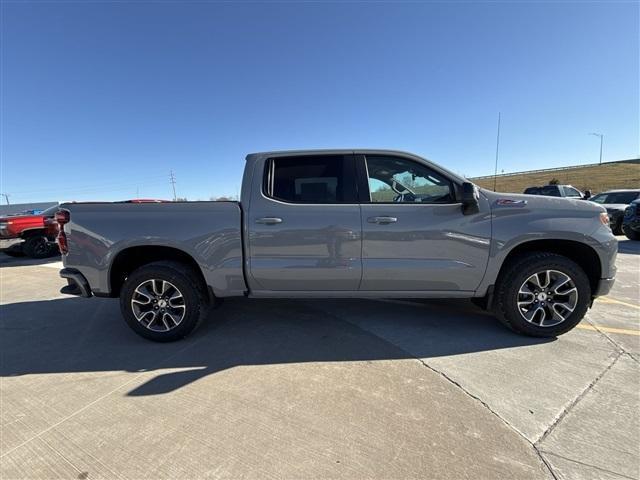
<point>598,328</point>
<point>619,302</point>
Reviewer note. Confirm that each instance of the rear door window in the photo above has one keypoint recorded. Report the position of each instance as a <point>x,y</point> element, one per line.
<point>550,191</point>
<point>319,179</point>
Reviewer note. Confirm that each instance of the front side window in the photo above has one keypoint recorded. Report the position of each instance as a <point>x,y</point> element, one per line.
<point>397,180</point>
<point>310,179</point>
<point>572,192</point>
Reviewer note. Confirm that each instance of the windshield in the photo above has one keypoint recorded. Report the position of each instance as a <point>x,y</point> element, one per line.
<point>49,212</point>
<point>615,197</point>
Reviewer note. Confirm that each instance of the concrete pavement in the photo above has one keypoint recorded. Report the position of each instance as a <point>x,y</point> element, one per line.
<point>322,389</point>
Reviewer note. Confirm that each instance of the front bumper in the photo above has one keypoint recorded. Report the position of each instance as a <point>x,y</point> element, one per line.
<point>76,283</point>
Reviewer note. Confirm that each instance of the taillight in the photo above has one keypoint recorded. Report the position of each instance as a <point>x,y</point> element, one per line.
<point>62,217</point>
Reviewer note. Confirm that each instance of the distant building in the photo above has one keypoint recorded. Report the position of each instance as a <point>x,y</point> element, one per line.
<point>22,207</point>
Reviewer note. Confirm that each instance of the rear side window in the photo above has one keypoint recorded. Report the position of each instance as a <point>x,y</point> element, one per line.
<point>620,197</point>
<point>550,191</point>
<point>311,179</point>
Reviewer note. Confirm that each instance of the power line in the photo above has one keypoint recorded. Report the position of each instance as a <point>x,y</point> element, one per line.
<point>172,180</point>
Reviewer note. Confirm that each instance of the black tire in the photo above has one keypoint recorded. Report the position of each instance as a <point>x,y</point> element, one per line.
<point>631,234</point>
<point>185,281</point>
<point>616,228</point>
<point>36,246</point>
<point>516,273</point>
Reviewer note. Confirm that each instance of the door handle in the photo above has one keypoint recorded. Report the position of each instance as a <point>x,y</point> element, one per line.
<point>382,220</point>
<point>269,220</point>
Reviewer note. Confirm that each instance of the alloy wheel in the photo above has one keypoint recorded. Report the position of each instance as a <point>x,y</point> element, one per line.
<point>547,298</point>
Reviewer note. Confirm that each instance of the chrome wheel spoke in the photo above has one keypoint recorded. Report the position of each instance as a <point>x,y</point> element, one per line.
<point>561,281</point>
<point>146,297</point>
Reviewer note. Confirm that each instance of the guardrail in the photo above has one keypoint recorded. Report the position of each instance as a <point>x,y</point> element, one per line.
<point>557,169</point>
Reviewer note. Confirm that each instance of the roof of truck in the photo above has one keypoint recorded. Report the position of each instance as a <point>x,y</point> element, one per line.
<point>335,151</point>
<point>356,151</point>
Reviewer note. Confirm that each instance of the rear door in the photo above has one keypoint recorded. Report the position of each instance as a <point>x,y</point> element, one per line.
<point>304,225</point>
<point>415,236</point>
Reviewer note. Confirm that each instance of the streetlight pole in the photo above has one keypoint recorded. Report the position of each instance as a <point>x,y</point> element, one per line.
<point>601,135</point>
<point>495,172</point>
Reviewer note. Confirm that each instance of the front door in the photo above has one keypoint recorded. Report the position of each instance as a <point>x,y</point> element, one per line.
<point>415,236</point>
<point>304,225</point>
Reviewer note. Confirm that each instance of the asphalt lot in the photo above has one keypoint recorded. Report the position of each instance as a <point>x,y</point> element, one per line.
<point>315,389</point>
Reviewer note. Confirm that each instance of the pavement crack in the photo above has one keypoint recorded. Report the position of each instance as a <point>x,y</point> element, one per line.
<point>611,472</point>
<point>578,398</point>
<point>486,405</point>
<point>609,338</point>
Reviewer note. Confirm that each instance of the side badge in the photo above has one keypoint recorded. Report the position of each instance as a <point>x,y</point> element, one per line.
<point>507,202</point>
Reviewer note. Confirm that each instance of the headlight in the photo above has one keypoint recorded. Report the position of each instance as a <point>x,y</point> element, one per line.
<point>604,219</point>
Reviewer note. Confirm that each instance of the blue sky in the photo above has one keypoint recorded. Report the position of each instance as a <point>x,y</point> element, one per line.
<point>103,99</point>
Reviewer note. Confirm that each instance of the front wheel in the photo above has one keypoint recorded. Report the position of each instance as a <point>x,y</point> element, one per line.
<point>616,228</point>
<point>163,301</point>
<point>542,294</point>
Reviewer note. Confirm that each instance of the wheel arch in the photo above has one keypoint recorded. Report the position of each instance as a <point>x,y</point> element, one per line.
<point>581,253</point>
<point>30,232</point>
<point>129,259</point>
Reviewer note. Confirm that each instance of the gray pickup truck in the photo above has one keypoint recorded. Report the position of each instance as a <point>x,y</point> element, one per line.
<point>342,223</point>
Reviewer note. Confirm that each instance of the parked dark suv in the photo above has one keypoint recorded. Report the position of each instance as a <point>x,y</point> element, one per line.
<point>555,191</point>
<point>616,201</point>
<point>631,221</point>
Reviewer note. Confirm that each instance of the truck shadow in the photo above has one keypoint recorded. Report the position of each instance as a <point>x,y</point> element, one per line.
<point>21,261</point>
<point>81,335</point>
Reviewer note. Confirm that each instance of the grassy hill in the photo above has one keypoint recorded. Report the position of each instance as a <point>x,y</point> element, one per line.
<point>594,177</point>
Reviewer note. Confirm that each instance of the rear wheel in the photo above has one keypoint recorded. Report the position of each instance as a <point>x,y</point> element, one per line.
<point>36,246</point>
<point>163,301</point>
<point>542,294</point>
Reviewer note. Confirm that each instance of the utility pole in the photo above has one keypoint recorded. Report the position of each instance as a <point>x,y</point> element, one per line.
<point>172,180</point>
<point>6,197</point>
<point>601,135</point>
<point>495,172</point>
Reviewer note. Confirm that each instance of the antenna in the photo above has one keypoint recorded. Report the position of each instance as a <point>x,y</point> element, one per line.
<point>495,172</point>
<point>6,197</point>
<point>172,180</point>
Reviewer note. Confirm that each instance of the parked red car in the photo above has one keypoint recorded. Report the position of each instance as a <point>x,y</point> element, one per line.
<point>33,235</point>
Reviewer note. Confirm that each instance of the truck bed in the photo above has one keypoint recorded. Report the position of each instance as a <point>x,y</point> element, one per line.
<point>208,231</point>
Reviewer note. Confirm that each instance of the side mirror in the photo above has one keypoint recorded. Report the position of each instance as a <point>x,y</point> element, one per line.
<point>470,199</point>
